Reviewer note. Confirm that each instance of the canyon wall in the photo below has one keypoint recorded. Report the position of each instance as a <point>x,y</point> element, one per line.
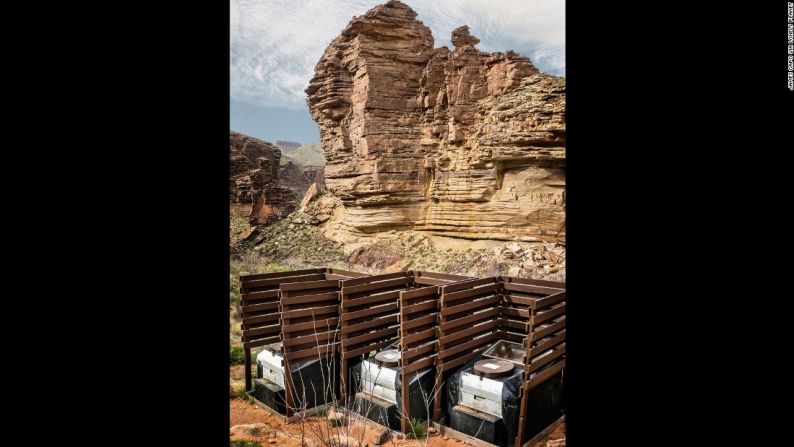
<point>457,142</point>
<point>298,178</point>
<point>256,191</point>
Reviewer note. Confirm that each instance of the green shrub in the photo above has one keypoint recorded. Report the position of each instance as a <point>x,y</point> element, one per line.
<point>242,394</point>
<point>236,355</point>
<point>237,390</point>
<point>242,443</point>
<point>418,429</point>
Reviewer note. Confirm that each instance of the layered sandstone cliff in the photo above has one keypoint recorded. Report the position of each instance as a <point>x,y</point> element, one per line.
<point>453,142</point>
<point>298,178</point>
<point>256,191</point>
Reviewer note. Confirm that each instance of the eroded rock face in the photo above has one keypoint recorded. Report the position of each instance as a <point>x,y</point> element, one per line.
<point>298,178</point>
<point>453,142</point>
<point>254,176</point>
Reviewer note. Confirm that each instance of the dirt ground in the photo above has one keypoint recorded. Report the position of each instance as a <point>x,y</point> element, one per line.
<point>236,373</point>
<point>289,435</point>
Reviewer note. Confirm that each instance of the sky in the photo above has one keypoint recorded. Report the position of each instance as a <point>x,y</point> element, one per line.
<point>275,44</point>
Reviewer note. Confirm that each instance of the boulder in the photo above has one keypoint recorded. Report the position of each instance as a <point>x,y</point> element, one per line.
<point>248,430</point>
<point>459,142</point>
<point>378,436</point>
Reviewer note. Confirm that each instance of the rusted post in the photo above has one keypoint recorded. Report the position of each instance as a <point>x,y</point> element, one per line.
<point>404,423</point>
<point>522,414</point>
<point>288,388</point>
<point>437,396</point>
<point>247,369</point>
<point>343,375</point>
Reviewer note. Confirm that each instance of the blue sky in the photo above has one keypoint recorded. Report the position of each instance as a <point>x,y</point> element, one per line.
<point>273,123</point>
<point>275,44</point>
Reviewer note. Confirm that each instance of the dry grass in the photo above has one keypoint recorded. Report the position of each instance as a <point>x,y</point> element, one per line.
<point>237,391</point>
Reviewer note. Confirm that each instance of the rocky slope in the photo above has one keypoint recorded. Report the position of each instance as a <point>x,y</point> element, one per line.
<point>256,191</point>
<point>302,240</point>
<point>456,142</point>
<point>298,178</point>
<point>287,146</point>
<point>309,154</point>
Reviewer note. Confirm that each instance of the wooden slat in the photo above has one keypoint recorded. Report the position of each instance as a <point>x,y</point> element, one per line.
<point>514,324</point>
<point>419,365</point>
<point>259,307</point>
<point>318,324</point>
<point>518,299</point>
<point>348,273</point>
<point>536,282</point>
<point>448,365</point>
<point>310,285</point>
<point>413,338</point>
<point>546,359</point>
<point>511,336</point>
<point>467,284</point>
<point>431,281</point>
<point>554,341</point>
<point>336,277</point>
<point>317,338</point>
<point>316,351</point>
<point>469,440</point>
<point>446,353</point>
<point>307,299</point>
<point>417,293</point>
<point>471,319</point>
<point>374,278</point>
<point>264,330</point>
<point>544,375</point>
<point>427,306</point>
<point>483,303</point>
<point>299,313</point>
<point>258,276</point>
<point>538,438</point>
<point>387,320</point>
<point>348,342</point>
<point>455,296</point>
<point>261,319</point>
<point>410,354</point>
<point>348,303</point>
<point>466,333</point>
<point>548,315</point>
<point>540,333</point>
<point>261,342</point>
<point>373,311</point>
<point>514,312</point>
<point>413,323</point>
<point>526,288</point>
<point>444,276</point>
<point>259,295</point>
<point>376,285</point>
<point>284,280</point>
<point>366,349</point>
<point>550,300</point>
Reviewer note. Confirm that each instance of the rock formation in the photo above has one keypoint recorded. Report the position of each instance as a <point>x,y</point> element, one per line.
<point>287,146</point>
<point>455,142</point>
<point>309,154</point>
<point>298,178</point>
<point>254,176</point>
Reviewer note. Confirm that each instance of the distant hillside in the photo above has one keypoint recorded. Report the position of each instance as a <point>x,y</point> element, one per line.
<point>306,155</point>
<point>287,146</point>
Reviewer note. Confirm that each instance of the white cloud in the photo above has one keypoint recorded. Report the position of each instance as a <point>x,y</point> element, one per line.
<point>276,43</point>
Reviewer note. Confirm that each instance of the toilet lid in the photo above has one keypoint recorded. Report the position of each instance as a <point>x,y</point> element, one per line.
<point>389,357</point>
<point>493,367</point>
